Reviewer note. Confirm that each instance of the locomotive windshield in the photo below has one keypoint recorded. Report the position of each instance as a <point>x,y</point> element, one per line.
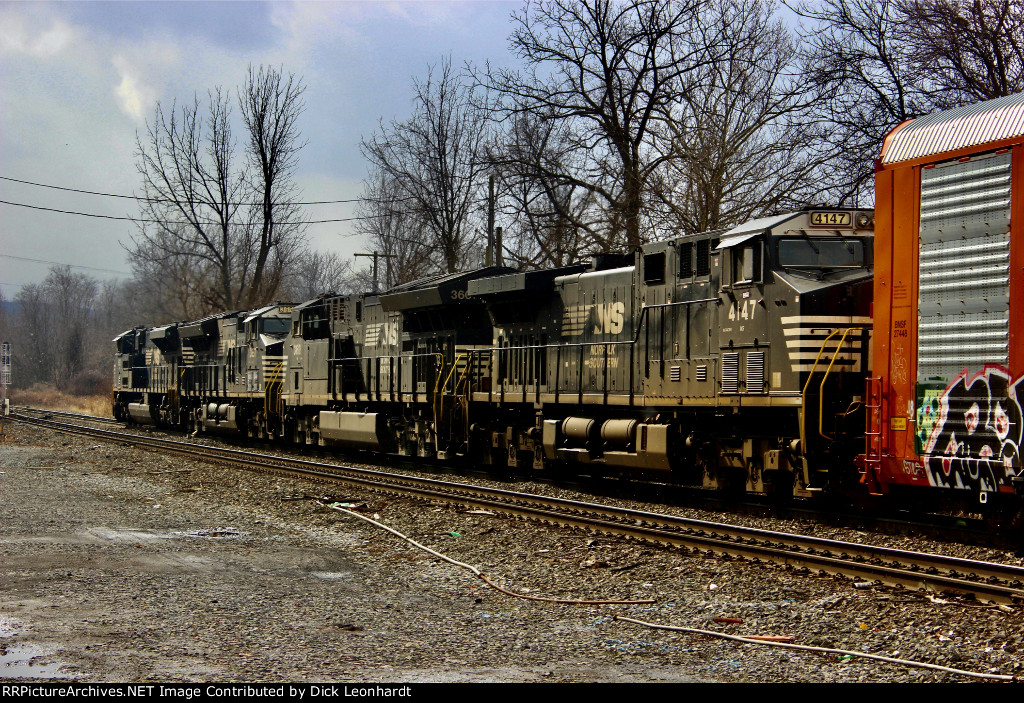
<point>276,326</point>
<point>808,252</point>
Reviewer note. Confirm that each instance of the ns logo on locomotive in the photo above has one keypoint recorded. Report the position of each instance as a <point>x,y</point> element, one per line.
<point>826,350</point>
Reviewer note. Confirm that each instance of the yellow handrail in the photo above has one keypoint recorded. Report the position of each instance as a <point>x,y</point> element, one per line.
<point>465,378</point>
<point>803,394</point>
<point>437,384</point>
<point>455,366</point>
<point>821,389</point>
<point>273,378</point>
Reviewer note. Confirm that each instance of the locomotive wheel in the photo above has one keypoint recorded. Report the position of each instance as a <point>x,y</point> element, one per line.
<point>1002,515</point>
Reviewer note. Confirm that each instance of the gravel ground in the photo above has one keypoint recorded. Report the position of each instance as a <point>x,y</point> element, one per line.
<point>117,565</point>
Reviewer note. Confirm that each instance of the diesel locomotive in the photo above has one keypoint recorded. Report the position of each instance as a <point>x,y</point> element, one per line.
<point>829,349</point>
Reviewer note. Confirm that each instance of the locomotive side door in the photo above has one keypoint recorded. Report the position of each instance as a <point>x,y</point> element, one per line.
<point>743,316</point>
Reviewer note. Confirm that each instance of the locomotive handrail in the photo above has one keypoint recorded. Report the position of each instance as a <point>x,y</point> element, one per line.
<point>455,389</point>
<point>640,324</point>
<point>821,389</point>
<point>803,394</point>
<point>157,377</point>
<point>336,362</point>
<point>439,408</point>
<point>274,378</point>
<point>203,381</point>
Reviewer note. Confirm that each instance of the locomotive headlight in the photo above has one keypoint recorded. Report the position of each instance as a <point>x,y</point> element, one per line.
<point>864,220</point>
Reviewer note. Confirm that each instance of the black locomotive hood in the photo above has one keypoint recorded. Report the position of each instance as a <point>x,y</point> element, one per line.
<point>447,289</point>
<point>804,284</point>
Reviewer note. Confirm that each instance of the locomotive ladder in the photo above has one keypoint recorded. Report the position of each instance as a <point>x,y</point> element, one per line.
<point>461,377</point>
<point>273,402</point>
<point>821,392</point>
<point>872,434</point>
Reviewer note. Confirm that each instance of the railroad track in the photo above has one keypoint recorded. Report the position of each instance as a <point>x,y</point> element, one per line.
<point>984,581</point>
<point>942,527</point>
<point>70,415</point>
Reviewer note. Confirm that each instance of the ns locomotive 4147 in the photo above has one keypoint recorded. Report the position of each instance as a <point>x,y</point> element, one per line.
<point>808,351</point>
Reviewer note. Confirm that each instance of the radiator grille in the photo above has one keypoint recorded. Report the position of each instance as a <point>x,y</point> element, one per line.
<point>730,372</point>
<point>674,374</point>
<point>755,372</point>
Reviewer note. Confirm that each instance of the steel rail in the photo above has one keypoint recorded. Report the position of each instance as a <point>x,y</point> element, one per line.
<point>64,413</point>
<point>986,581</point>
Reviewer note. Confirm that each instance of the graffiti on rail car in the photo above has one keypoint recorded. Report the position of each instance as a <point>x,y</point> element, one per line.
<point>970,432</point>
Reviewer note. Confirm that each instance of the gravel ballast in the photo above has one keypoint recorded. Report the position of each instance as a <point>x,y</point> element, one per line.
<point>120,565</point>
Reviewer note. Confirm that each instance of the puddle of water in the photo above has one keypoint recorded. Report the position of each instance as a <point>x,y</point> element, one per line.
<point>330,575</point>
<point>218,533</point>
<point>24,661</point>
<point>129,535</point>
<point>6,627</point>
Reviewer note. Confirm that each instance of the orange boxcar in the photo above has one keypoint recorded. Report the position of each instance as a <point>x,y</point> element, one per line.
<point>944,406</point>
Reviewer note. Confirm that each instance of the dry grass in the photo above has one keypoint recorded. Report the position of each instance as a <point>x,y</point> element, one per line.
<point>50,398</point>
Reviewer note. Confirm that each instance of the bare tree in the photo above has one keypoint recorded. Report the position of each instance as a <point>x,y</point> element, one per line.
<point>271,104</point>
<point>966,50</point>
<point>63,302</point>
<point>856,55</point>
<point>231,224</point>
<point>30,338</point>
<point>70,297</point>
<point>192,194</point>
<point>880,62</point>
<point>395,230</point>
<point>610,73</point>
<point>313,273</point>
<point>171,284</point>
<point>549,220</point>
<point>743,132</point>
<point>435,161</point>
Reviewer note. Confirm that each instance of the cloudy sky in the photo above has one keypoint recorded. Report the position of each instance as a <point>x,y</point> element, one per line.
<point>78,80</point>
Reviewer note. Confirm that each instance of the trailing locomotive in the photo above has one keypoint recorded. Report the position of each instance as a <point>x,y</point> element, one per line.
<point>692,358</point>
<point>741,359</point>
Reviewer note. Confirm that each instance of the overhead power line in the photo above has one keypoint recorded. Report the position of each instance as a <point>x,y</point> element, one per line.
<point>57,263</point>
<point>154,200</point>
<point>170,222</point>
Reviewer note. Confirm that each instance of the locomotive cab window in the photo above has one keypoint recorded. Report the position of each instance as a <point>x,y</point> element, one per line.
<point>746,264</point>
<point>654,268</point>
<point>821,253</point>
<point>312,325</point>
<point>275,326</point>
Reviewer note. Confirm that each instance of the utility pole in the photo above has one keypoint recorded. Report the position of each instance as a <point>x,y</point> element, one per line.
<point>375,256</point>
<point>5,376</point>
<point>489,255</point>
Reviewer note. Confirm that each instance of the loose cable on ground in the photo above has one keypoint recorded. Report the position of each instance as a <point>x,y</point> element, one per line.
<point>479,574</point>
<point>824,650</point>
<point>711,633</point>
